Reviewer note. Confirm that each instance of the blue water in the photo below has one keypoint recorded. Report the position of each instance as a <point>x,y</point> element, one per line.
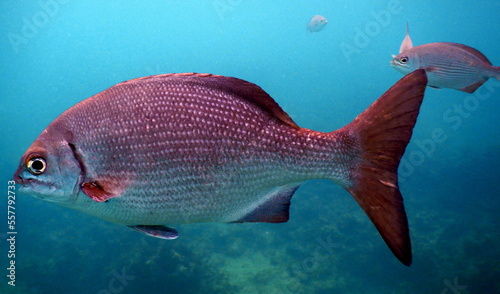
<point>57,53</point>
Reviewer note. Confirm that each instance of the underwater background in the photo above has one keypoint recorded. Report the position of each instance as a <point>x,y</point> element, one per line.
<point>55,53</point>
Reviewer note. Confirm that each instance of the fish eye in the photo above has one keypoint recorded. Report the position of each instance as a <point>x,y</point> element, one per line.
<point>36,165</point>
<point>403,59</point>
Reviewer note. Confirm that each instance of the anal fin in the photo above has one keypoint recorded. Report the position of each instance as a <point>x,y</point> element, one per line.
<point>274,210</point>
<point>473,87</point>
<point>161,232</point>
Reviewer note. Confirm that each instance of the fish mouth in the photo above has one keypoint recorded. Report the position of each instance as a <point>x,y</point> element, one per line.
<point>30,187</point>
<point>25,187</point>
<point>21,181</point>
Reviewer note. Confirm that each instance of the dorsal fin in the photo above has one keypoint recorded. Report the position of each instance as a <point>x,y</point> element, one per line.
<point>407,43</point>
<point>250,92</point>
<point>241,88</point>
<point>472,51</point>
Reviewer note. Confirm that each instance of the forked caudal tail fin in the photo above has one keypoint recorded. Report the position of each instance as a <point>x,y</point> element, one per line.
<point>382,132</point>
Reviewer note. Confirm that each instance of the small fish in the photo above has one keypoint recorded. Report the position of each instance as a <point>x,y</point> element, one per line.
<point>317,23</point>
<point>448,65</point>
<point>186,148</point>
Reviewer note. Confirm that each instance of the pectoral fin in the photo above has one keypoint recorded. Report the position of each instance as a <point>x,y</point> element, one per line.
<point>96,192</point>
<point>432,69</point>
<point>157,231</point>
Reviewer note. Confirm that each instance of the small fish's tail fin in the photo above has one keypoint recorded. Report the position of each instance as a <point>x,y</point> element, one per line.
<point>496,72</point>
<point>382,133</point>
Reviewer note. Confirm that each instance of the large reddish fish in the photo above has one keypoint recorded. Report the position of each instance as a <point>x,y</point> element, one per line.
<point>184,148</point>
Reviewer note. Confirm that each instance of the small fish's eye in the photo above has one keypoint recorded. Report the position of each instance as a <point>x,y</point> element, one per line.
<point>36,165</point>
<point>403,59</point>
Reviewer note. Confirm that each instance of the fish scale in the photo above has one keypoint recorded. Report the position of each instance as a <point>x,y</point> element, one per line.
<point>185,148</point>
<point>202,123</point>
